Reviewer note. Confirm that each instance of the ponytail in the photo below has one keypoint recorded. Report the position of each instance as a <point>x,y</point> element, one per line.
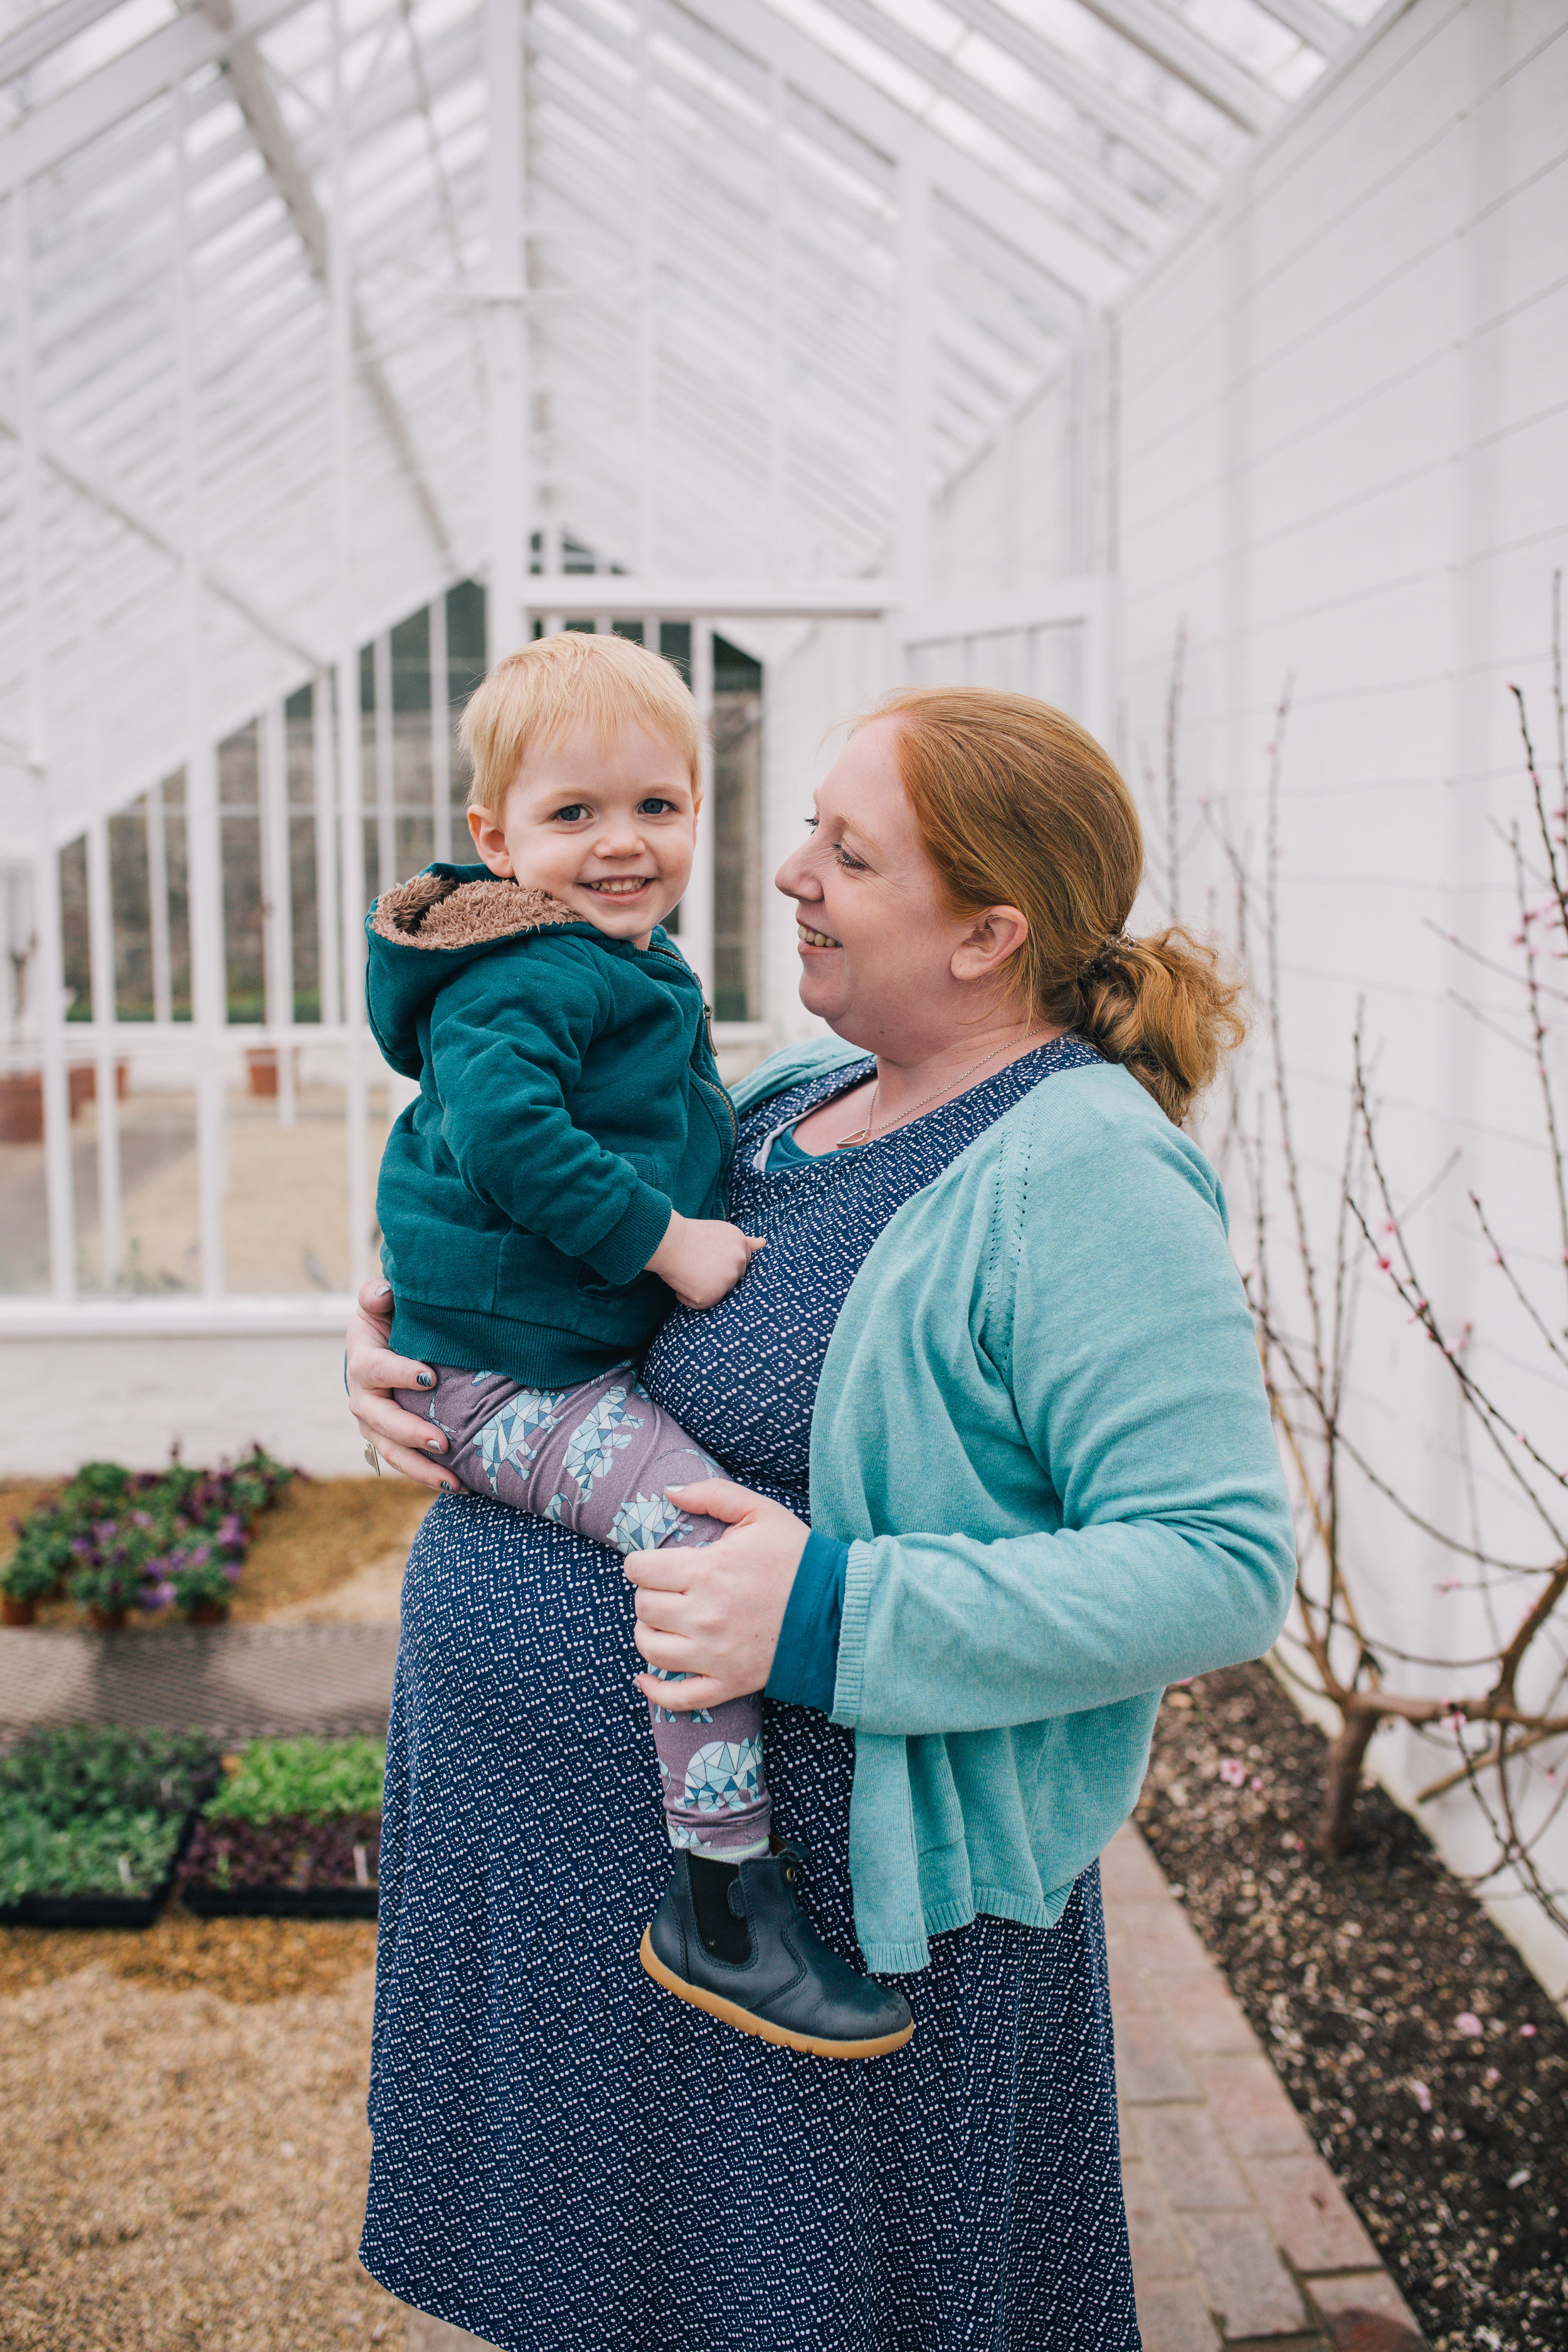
<point>1163,1006</point>
<point>1016,805</point>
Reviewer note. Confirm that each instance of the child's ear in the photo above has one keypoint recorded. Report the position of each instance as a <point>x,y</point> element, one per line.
<point>489,841</point>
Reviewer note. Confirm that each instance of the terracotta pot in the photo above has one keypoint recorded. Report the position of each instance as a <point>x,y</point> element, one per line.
<point>208,1613</point>
<point>22,1107</point>
<point>261,1061</point>
<point>19,1613</point>
<point>84,1084</point>
<point>22,1098</point>
<point>106,1621</point>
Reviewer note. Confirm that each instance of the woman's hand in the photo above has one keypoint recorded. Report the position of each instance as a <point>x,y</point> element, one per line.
<point>713,1614</point>
<point>373,1372</point>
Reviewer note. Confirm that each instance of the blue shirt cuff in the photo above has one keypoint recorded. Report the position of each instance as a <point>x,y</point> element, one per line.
<point>805,1664</point>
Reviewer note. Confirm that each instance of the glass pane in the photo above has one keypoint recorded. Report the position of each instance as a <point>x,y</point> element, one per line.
<point>1056,664</point>
<point>1000,660</point>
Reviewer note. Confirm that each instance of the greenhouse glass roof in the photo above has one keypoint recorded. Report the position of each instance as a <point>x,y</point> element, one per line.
<point>252,279</point>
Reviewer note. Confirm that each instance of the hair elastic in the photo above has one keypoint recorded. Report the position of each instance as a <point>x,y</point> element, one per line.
<point>1104,952</point>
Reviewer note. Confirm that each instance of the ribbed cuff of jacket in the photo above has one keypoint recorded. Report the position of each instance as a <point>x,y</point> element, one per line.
<point>632,1240</point>
<point>805,1664</point>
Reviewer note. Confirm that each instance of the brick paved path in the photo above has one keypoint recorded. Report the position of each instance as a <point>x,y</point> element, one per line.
<point>245,1681</point>
<point>1241,2236</point>
<point>1240,2232</point>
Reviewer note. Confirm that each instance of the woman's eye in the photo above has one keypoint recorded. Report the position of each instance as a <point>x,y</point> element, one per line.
<point>812,823</point>
<point>850,865</point>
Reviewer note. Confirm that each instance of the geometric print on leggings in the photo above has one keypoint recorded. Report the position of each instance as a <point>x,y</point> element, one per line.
<point>596,1458</point>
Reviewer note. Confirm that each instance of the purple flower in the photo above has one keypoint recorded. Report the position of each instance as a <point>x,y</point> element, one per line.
<point>157,1596</point>
<point>234,1569</point>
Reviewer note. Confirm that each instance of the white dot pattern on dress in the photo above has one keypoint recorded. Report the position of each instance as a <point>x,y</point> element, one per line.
<point>566,2157</point>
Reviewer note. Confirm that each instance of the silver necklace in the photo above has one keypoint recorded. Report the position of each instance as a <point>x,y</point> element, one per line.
<point>867,1132</point>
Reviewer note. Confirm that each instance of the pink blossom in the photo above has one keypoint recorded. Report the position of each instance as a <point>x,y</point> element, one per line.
<point>1491,2077</point>
<point>1423,2097</point>
<point>1468,2024</point>
<point>1528,2031</point>
<point>1232,1772</point>
<point>1255,1782</point>
<point>1383,1264</point>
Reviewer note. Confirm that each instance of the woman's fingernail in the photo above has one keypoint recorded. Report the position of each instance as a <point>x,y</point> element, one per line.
<point>381,1290</point>
<point>435,1445</point>
<point>425,1379</point>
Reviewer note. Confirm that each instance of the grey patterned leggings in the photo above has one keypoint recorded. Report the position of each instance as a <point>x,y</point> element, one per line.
<point>597,1459</point>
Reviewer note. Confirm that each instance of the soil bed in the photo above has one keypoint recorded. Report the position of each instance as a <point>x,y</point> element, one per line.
<point>1367,1980</point>
<point>289,1868</point>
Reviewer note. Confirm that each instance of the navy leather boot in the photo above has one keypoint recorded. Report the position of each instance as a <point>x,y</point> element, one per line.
<point>732,1939</point>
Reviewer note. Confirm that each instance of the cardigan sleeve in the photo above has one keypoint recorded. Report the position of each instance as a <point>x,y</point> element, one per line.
<point>1110,1322</point>
<point>805,1662</point>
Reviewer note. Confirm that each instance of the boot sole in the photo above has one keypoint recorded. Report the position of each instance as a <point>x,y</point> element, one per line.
<point>731,2013</point>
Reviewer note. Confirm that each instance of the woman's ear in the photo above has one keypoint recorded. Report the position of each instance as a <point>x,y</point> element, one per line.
<point>991,938</point>
<point>489,840</point>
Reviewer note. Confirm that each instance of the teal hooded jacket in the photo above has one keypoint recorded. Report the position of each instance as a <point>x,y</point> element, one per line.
<point>1041,1434</point>
<point>568,1100</point>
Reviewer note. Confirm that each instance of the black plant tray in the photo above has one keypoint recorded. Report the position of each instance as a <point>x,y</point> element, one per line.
<point>277,1902</point>
<point>85,1910</point>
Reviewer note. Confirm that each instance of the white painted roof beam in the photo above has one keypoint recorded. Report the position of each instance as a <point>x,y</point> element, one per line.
<point>1047,239</point>
<point>1172,43</point>
<point>126,84</point>
<point>1318,25</point>
<point>1132,123</point>
<point>1110,198</point>
<point>96,483</point>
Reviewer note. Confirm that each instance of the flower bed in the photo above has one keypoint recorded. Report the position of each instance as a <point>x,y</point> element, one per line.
<point>116,1540</point>
<point>293,1830</point>
<point>92,1822</point>
<point>1430,2067</point>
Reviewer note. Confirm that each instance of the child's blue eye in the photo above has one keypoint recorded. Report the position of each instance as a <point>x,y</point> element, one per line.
<point>572,814</point>
<point>655,807</point>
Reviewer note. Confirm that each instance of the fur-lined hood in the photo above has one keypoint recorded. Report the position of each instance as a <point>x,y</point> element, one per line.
<point>427,929</point>
<point>439,909</point>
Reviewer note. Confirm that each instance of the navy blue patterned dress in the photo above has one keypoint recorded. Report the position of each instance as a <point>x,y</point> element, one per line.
<point>569,2161</point>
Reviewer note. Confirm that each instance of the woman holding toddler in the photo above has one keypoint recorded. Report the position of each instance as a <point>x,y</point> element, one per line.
<point>961,1342</point>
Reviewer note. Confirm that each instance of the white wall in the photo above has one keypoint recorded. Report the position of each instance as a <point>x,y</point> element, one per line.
<point>1340,409</point>
<point>95,1390</point>
<point>1343,455</point>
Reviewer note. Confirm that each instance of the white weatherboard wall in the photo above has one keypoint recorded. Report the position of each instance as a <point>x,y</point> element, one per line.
<point>1337,413</point>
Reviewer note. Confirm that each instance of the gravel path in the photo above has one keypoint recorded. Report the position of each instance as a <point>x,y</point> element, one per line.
<point>189,2173</point>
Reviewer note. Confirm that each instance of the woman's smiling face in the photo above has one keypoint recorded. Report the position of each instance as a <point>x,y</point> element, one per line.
<point>877,942</point>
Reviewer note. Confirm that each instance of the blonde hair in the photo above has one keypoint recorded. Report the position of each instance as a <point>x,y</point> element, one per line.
<point>535,695</point>
<point>1017,805</point>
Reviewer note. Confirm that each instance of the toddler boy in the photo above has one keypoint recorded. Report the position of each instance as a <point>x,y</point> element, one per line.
<point>564,1170</point>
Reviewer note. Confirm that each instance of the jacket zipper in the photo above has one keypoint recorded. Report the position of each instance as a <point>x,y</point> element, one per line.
<point>721,1090</point>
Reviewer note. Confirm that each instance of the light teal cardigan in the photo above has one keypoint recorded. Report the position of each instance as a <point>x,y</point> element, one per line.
<point>1042,1431</point>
